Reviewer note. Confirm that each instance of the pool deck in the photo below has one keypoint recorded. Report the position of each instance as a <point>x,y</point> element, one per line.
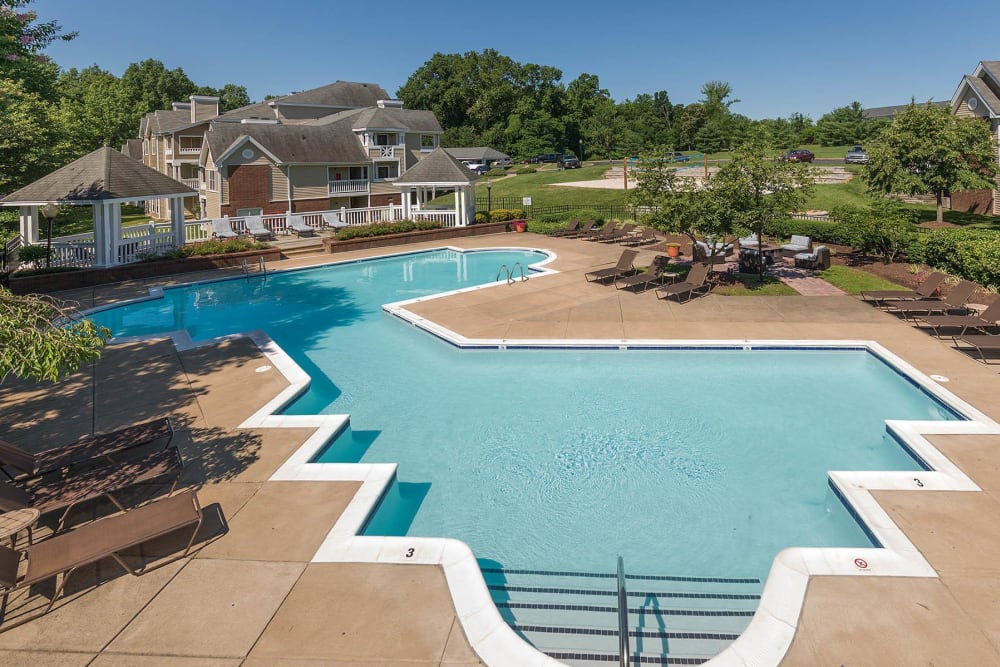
<point>251,596</point>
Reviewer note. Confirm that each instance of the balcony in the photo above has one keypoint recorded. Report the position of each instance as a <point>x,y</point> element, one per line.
<point>189,150</point>
<point>348,186</point>
<point>192,183</point>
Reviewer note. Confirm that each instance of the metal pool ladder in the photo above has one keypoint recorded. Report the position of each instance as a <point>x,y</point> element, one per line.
<point>509,273</point>
<point>624,652</point>
<point>261,267</point>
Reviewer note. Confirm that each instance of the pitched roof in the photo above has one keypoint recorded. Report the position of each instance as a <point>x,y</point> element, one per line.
<point>480,153</point>
<point>133,148</point>
<point>993,67</point>
<point>438,167</point>
<point>892,111</point>
<point>161,121</point>
<point>338,94</point>
<point>392,118</point>
<point>984,93</point>
<point>258,110</point>
<point>290,144</point>
<point>102,175</point>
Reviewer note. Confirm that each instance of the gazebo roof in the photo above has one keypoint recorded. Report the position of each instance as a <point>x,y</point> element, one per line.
<point>102,176</point>
<point>438,168</point>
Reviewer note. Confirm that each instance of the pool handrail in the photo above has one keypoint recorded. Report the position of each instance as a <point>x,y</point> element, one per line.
<point>624,651</point>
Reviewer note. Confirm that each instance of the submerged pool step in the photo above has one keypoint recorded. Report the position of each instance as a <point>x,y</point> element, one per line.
<point>573,616</point>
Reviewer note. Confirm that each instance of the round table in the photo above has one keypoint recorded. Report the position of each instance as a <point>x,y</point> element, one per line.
<point>11,523</point>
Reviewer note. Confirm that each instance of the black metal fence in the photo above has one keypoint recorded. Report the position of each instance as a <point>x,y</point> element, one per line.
<point>606,211</point>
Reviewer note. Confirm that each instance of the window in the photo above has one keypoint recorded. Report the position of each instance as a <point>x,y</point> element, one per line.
<point>385,139</point>
<point>427,142</point>
<point>244,212</point>
<point>210,177</point>
<point>386,170</point>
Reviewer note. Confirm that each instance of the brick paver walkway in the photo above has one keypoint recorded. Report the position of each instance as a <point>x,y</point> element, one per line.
<point>804,281</point>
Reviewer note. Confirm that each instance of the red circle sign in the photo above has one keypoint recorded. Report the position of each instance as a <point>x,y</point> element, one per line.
<point>861,563</point>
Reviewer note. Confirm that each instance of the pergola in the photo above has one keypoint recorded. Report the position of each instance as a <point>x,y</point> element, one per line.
<point>104,180</point>
<point>440,171</point>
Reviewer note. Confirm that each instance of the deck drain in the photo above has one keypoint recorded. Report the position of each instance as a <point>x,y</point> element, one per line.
<point>262,369</point>
<point>939,378</point>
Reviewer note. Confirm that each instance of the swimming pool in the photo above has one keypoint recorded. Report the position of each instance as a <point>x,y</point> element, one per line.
<point>561,458</point>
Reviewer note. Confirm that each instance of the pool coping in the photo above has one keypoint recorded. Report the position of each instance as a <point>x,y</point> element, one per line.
<point>769,634</point>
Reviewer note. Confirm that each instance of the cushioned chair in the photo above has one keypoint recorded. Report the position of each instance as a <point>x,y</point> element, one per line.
<point>256,228</point>
<point>297,223</point>
<point>750,241</point>
<point>818,259</point>
<point>714,253</point>
<point>797,244</point>
<point>223,229</point>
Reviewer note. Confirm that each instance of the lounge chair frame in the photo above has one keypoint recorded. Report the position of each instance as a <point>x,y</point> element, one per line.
<point>924,291</point>
<point>955,300</point>
<point>695,283</point>
<point>256,228</point>
<point>987,319</point>
<point>297,224</point>
<point>980,342</point>
<point>625,266</point>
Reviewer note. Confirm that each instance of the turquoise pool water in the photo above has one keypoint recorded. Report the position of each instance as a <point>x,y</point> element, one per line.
<point>687,462</point>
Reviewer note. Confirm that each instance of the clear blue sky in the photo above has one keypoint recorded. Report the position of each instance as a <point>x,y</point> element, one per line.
<point>779,57</point>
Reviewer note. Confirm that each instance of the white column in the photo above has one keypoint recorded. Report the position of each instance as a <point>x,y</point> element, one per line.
<point>405,198</point>
<point>113,225</point>
<point>102,254</point>
<point>177,221</point>
<point>459,205</point>
<point>29,224</point>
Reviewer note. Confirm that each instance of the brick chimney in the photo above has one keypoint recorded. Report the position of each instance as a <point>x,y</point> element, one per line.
<point>203,107</point>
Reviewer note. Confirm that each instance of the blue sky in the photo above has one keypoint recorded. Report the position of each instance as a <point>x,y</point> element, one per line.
<point>779,57</point>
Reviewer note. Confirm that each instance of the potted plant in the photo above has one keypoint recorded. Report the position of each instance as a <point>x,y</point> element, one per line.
<point>673,249</point>
<point>519,225</point>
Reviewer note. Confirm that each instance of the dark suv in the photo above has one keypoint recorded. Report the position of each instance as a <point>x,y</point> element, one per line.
<point>569,162</point>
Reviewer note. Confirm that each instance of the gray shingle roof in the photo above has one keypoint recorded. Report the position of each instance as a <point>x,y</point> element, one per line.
<point>295,144</point>
<point>133,148</point>
<point>415,120</point>
<point>162,121</point>
<point>993,67</point>
<point>437,167</point>
<point>99,176</point>
<point>890,112</point>
<point>984,93</point>
<point>339,94</point>
<point>479,153</point>
<point>258,110</point>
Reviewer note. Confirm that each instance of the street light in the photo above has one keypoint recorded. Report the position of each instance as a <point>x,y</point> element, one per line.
<point>49,211</point>
<point>489,196</point>
<point>581,150</point>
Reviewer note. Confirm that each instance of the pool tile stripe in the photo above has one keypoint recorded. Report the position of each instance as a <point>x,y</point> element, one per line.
<point>637,577</point>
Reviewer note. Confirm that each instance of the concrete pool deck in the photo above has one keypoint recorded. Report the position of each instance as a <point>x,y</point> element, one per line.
<point>252,596</point>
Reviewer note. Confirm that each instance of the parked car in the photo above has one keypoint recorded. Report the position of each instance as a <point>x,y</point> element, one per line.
<point>479,168</point>
<point>503,163</point>
<point>569,162</point>
<point>799,155</point>
<point>549,157</point>
<point>530,160</point>
<point>856,155</point>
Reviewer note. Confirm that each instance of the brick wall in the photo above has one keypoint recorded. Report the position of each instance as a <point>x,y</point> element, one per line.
<point>385,200</point>
<point>248,187</point>
<point>973,201</point>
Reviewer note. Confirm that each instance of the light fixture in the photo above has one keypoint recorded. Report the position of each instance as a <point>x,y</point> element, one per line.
<point>49,211</point>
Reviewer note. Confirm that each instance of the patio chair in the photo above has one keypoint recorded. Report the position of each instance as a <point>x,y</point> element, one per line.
<point>924,291</point>
<point>795,245</point>
<point>692,285</point>
<point>332,219</point>
<point>620,234</point>
<point>647,235</point>
<point>297,223</point>
<point>609,229</point>
<point>624,267</point>
<point>750,241</point>
<point>655,274</point>
<point>955,300</point>
<point>818,259</point>
<point>985,320</point>
<point>571,228</point>
<point>108,537</point>
<point>86,451</point>
<point>981,342</point>
<point>65,493</point>
<point>223,229</point>
<point>583,230</point>
<point>256,228</point>
<point>715,253</point>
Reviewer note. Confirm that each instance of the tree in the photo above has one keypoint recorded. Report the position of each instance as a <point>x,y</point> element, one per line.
<point>756,189</point>
<point>232,97</point>
<point>43,339</point>
<point>715,102</point>
<point>149,85</point>
<point>928,150</point>
<point>844,125</point>
<point>94,110</point>
<point>27,134</point>
<point>22,40</point>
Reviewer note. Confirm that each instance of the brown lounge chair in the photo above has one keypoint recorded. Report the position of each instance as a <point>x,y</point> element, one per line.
<point>647,235</point>
<point>607,231</point>
<point>106,446</point>
<point>985,320</point>
<point>571,228</point>
<point>693,284</point>
<point>925,290</point>
<point>585,229</point>
<point>655,274</point>
<point>107,537</point>
<point>981,342</point>
<point>65,493</point>
<point>955,300</point>
<point>624,267</point>
<point>620,234</point>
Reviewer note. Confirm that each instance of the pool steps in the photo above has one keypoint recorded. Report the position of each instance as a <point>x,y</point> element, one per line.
<point>573,616</point>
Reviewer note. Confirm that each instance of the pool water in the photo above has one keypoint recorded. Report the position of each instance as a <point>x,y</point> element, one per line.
<point>687,462</point>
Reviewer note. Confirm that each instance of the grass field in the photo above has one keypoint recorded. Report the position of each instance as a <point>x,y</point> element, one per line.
<point>855,281</point>
<point>71,220</point>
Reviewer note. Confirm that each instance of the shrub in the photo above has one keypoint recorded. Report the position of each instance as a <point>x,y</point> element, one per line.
<point>215,247</point>
<point>31,253</point>
<point>43,270</point>
<point>820,231</point>
<point>973,254</point>
<point>504,214</point>
<point>884,229</point>
<point>481,216</point>
<point>497,172</point>
<point>383,228</point>
<point>525,170</point>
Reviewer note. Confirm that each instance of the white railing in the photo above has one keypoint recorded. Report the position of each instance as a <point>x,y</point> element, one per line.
<point>71,254</point>
<point>349,185</point>
<point>190,150</point>
<point>192,183</point>
<point>136,249</point>
<point>445,218</point>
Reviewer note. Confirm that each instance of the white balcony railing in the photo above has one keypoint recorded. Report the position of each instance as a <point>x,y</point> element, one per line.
<point>348,186</point>
<point>192,183</point>
<point>189,150</point>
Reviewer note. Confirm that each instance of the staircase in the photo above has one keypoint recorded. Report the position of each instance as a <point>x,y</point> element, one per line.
<point>573,616</point>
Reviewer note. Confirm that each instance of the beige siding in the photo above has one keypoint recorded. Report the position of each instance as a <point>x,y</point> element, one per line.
<point>384,188</point>
<point>212,208</point>
<point>236,157</point>
<point>963,110</point>
<point>279,184</point>
<point>309,182</point>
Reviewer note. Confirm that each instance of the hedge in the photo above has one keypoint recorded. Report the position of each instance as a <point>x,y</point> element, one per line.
<point>383,228</point>
<point>973,254</point>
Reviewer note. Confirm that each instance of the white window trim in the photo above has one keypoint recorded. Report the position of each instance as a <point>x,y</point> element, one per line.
<point>433,145</point>
<point>379,163</point>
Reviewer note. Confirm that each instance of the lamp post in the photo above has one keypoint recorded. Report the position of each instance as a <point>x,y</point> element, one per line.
<point>49,211</point>
<point>581,150</point>
<point>489,196</point>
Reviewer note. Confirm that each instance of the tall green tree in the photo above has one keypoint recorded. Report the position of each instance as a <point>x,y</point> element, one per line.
<point>151,86</point>
<point>23,39</point>
<point>843,125</point>
<point>94,110</point>
<point>29,132</point>
<point>757,189</point>
<point>926,149</point>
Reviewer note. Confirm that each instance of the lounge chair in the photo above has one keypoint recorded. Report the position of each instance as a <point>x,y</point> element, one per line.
<point>256,228</point>
<point>624,267</point>
<point>297,224</point>
<point>331,219</point>
<point>693,284</point>
<point>571,228</point>
<point>985,320</point>
<point>609,229</point>
<point>65,493</point>
<point>647,235</point>
<point>620,234</point>
<point>955,300</point>
<point>818,259</point>
<point>88,450</point>
<point>223,229</point>
<point>981,342</point>
<point>108,537</point>
<point>925,290</point>
<point>583,230</point>
<point>655,274</point>
<point>795,245</point>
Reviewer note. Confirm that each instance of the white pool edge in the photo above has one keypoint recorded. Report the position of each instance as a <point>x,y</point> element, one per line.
<point>771,631</point>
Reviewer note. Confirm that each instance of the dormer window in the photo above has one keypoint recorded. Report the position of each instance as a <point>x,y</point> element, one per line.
<point>428,142</point>
<point>386,138</point>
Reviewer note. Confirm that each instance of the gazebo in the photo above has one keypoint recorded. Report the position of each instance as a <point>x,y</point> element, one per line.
<point>439,171</point>
<point>104,180</point>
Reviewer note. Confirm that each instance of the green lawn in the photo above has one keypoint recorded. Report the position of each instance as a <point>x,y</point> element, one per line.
<point>855,281</point>
<point>71,220</point>
<point>750,285</point>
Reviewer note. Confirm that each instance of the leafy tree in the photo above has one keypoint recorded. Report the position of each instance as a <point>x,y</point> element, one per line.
<point>928,150</point>
<point>756,189</point>
<point>844,125</point>
<point>885,228</point>
<point>232,97</point>
<point>149,85</point>
<point>27,134</point>
<point>42,338</point>
<point>711,138</point>
<point>693,119</point>
<point>22,40</point>
<point>94,110</point>
<point>715,101</point>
